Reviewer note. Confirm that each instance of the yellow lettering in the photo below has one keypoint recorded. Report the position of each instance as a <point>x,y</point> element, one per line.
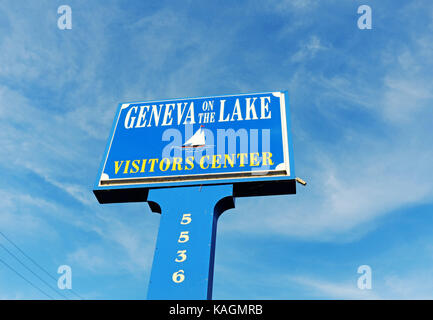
<point>135,164</point>
<point>215,160</point>
<point>202,162</point>
<point>230,160</point>
<point>177,162</point>
<point>267,159</point>
<point>117,166</point>
<point>161,164</point>
<point>242,157</point>
<point>143,164</point>
<point>189,161</point>
<point>254,162</point>
<point>126,166</point>
<point>152,164</point>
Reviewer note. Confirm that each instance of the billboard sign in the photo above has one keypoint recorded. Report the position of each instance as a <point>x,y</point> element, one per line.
<point>229,139</point>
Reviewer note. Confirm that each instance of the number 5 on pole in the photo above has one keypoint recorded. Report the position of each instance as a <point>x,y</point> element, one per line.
<point>186,218</point>
<point>184,237</point>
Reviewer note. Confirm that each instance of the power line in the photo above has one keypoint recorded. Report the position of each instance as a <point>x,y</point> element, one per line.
<point>28,281</point>
<point>37,264</point>
<point>35,274</point>
<point>4,236</point>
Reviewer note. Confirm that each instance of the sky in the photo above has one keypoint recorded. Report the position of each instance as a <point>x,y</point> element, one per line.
<point>361,116</point>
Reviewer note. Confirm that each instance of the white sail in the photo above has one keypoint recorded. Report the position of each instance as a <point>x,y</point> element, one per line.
<point>198,139</point>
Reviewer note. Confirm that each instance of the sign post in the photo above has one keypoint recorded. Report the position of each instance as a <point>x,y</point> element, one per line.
<point>216,148</point>
<point>185,248</point>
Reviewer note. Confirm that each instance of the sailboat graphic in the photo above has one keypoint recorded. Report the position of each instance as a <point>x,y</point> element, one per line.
<point>198,139</point>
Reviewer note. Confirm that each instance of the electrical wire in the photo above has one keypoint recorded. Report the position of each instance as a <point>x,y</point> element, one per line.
<point>28,281</point>
<point>34,262</point>
<point>35,274</point>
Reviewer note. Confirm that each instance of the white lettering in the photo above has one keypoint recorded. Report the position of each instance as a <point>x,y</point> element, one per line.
<point>265,108</point>
<point>141,121</point>
<point>129,121</point>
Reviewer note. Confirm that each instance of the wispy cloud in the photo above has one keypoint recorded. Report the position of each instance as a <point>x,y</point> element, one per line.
<point>331,290</point>
<point>16,214</point>
<point>377,156</point>
<point>308,49</point>
<point>361,111</point>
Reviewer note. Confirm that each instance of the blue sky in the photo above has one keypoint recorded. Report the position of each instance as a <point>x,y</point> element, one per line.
<point>361,120</point>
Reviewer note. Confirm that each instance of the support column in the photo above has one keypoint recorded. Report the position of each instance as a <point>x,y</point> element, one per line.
<point>183,263</point>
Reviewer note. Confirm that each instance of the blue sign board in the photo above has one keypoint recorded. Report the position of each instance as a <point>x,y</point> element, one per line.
<point>217,148</point>
<point>196,141</point>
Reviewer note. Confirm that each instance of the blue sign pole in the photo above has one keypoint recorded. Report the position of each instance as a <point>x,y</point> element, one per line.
<point>183,262</point>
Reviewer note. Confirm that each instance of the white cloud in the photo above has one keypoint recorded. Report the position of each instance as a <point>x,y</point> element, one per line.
<point>408,89</point>
<point>285,6</point>
<point>332,290</point>
<point>409,287</point>
<point>363,176</point>
<point>124,246</point>
<point>16,214</point>
<point>369,169</point>
<point>308,49</point>
<point>90,258</point>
